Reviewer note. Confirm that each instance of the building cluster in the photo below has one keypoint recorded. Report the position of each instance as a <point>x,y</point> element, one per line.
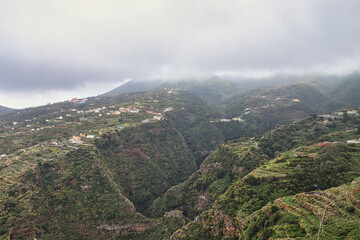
<point>353,141</point>
<point>76,100</point>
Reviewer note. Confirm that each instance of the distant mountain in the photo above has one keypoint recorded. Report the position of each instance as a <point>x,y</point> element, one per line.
<point>133,86</point>
<point>214,90</point>
<point>345,94</point>
<point>5,109</point>
<point>267,108</point>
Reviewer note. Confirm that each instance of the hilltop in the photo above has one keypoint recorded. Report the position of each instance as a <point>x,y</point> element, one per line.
<point>6,110</point>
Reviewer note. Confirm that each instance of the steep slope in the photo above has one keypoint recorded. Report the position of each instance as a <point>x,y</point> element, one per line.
<point>234,160</point>
<point>268,108</point>
<point>57,192</point>
<point>330,214</point>
<point>196,194</point>
<point>147,160</point>
<point>69,197</point>
<point>345,95</point>
<point>214,90</point>
<point>301,170</point>
<point>133,86</point>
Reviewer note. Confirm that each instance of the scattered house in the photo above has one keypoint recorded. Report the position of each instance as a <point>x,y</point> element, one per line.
<point>246,113</point>
<point>2,155</point>
<point>75,100</point>
<point>355,141</point>
<point>238,119</point>
<point>68,115</point>
<point>326,116</point>
<point>352,112</point>
<point>73,110</point>
<point>27,120</point>
<point>339,113</point>
<point>158,117</point>
<point>152,112</point>
<point>116,112</point>
<point>324,144</point>
<point>279,98</point>
<point>53,143</point>
<point>129,109</point>
<point>247,109</point>
<point>90,136</point>
<point>296,100</point>
<point>75,140</point>
<point>146,121</point>
<point>121,128</point>
<point>134,110</point>
<point>167,109</point>
<point>47,120</point>
<point>137,104</point>
<point>28,125</point>
<point>225,120</point>
<point>82,119</point>
<point>60,118</point>
<point>15,123</point>
<point>100,115</point>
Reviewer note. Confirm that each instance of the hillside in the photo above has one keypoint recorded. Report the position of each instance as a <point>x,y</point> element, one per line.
<point>6,110</point>
<point>69,190</point>
<point>268,108</point>
<point>143,165</point>
<point>345,95</point>
<point>57,186</point>
<point>147,160</point>
<point>303,169</point>
<point>301,215</point>
<point>133,86</point>
<point>234,160</point>
<point>213,90</point>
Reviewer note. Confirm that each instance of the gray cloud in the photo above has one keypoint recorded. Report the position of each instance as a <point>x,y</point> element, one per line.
<point>47,45</point>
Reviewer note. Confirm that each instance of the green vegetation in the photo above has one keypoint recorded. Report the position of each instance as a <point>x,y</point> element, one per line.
<point>303,169</point>
<point>216,173</point>
<point>147,160</point>
<point>200,163</point>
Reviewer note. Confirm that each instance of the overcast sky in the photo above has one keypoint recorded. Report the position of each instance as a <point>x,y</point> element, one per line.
<point>55,50</point>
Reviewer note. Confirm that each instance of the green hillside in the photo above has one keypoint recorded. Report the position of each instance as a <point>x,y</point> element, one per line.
<point>187,161</point>
<point>303,169</point>
<point>234,160</point>
<point>71,197</point>
<point>147,160</point>
<point>6,110</point>
<point>345,95</point>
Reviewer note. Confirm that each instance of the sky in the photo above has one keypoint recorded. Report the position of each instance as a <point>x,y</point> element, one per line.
<point>53,50</point>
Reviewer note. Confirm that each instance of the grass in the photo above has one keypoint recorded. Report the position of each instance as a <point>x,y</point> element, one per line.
<point>288,201</point>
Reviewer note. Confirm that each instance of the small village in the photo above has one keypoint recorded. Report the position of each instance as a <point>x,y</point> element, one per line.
<point>81,122</point>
